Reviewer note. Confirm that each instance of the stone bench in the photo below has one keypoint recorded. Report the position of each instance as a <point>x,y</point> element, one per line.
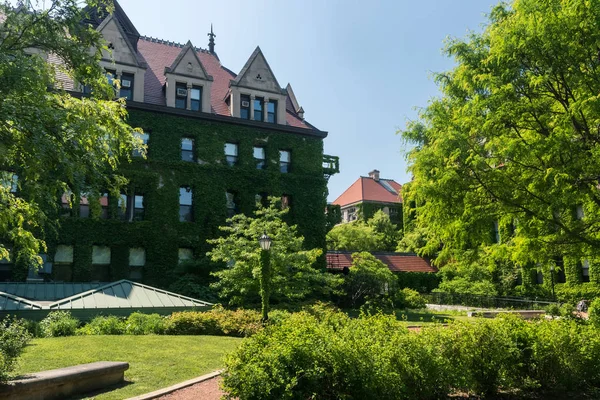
<point>65,382</point>
<point>526,314</point>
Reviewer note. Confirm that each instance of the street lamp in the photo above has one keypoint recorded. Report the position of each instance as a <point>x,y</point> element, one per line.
<point>552,280</point>
<point>265,274</point>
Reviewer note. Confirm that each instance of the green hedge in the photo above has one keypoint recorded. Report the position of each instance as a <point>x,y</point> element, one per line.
<point>331,356</point>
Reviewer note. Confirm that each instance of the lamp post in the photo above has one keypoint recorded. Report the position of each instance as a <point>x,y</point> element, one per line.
<point>265,274</point>
<point>552,280</point>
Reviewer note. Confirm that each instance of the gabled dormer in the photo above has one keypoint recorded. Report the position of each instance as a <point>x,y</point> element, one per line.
<point>188,85</point>
<point>255,93</point>
<point>122,61</point>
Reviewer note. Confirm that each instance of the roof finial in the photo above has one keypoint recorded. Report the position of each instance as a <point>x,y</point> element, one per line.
<point>211,40</point>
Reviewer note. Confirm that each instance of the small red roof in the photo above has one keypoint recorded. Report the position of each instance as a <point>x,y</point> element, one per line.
<point>369,189</point>
<point>396,262</point>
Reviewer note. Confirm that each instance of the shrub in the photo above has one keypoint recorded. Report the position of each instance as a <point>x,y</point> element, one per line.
<point>329,354</point>
<point>144,324</point>
<point>104,325</point>
<point>217,321</point>
<point>14,336</point>
<point>409,298</point>
<point>574,293</point>
<point>594,312</point>
<point>59,323</point>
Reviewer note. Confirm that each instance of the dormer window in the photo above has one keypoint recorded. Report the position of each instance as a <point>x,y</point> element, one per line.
<point>258,109</point>
<point>127,86</point>
<point>181,96</point>
<point>245,106</point>
<point>196,98</point>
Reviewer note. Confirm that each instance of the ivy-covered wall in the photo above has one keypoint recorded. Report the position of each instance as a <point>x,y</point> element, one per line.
<point>367,210</point>
<point>160,176</point>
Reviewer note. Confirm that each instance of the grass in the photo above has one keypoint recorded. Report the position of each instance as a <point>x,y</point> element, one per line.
<point>154,361</point>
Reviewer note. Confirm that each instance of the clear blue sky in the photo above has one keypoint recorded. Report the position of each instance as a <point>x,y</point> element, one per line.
<point>359,68</point>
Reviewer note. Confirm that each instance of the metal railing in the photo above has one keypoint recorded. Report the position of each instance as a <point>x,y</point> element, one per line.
<point>471,300</point>
<point>331,165</point>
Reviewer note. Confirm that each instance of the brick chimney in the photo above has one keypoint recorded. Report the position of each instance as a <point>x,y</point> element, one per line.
<point>374,175</point>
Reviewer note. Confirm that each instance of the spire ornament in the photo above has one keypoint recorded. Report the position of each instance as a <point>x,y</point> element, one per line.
<point>211,40</point>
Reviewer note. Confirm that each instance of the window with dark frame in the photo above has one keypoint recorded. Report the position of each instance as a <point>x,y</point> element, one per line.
<point>196,98</point>
<point>285,159</point>
<point>187,149</point>
<point>186,204</point>
<point>258,108</point>
<point>245,106</point>
<point>286,201</point>
<point>259,157</point>
<point>131,207</point>
<point>181,96</point>
<point>127,86</point>
<point>231,153</point>
<point>65,204</point>
<point>272,111</point>
<point>231,204</point>
<point>84,207</point>
<point>585,271</point>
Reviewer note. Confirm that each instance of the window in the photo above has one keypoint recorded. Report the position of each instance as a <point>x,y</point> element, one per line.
<point>285,201</point>
<point>231,153</point>
<point>585,271</point>
<point>62,269</point>
<point>181,96</point>
<point>104,206</point>
<point>137,260</point>
<point>245,106</point>
<point>284,161</point>
<point>65,204</point>
<point>258,109</point>
<point>196,98</point>
<point>100,262</point>
<point>272,111</point>
<point>579,213</point>
<point>231,204</point>
<point>539,278</point>
<point>9,179</point>
<point>185,254</point>
<point>144,136</point>
<point>127,86</point>
<point>261,200</point>
<point>131,207</point>
<point>185,205</point>
<point>84,207</point>
<point>351,214</point>
<point>110,76</point>
<point>187,149</point>
<point>259,157</point>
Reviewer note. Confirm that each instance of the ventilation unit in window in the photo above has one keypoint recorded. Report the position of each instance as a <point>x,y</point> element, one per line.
<point>245,104</point>
<point>125,83</point>
<point>181,92</point>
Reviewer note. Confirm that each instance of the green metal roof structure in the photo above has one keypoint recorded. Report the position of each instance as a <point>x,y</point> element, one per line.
<point>117,298</point>
<point>47,291</point>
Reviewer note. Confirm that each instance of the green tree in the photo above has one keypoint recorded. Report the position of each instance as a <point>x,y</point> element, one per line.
<point>368,278</point>
<point>506,160</point>
<point>51,142</point>
<point>376,234</point>
<point>293,276</point>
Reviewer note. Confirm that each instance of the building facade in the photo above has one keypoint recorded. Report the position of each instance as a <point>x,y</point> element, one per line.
<point>369,194</point>
<point>217,143</point>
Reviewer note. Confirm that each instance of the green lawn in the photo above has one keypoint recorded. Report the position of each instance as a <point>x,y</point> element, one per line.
<point>154,361</point>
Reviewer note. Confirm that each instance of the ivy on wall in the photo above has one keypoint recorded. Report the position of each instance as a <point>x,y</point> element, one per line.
<point>159,177</point>
<point>368,210</point>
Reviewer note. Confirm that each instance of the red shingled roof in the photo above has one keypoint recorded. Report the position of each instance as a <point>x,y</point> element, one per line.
<point>396,262</point>
<point>368,189</point>
<point>159,54</point>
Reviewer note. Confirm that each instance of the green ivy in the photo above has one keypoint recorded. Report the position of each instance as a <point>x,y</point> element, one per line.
<point>160,176</point>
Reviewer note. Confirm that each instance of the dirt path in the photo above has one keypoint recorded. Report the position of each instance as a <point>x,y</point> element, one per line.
<point>207,390</point>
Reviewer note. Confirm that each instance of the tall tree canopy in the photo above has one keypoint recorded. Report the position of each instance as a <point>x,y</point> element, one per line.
<point>507,160</point>
<point>375,234</point>
<point>52,143</point>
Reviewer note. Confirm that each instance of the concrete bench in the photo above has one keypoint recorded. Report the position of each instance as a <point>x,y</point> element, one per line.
<point>65,382</point>
<point>526,314</point>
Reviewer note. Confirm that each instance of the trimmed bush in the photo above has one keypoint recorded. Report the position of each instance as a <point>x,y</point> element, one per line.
<point>14,336</point>
<point>145,324</point>
<point>217,321</point>
<point>104,325</point>
<point>330,355</point>
<point>59,323</point>
<point>409,298</point>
